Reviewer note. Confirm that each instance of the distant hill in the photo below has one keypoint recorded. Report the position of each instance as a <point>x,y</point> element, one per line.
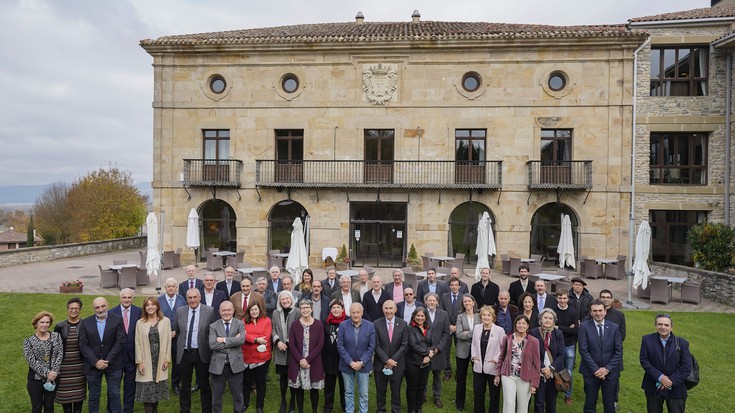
<point>27,194</point>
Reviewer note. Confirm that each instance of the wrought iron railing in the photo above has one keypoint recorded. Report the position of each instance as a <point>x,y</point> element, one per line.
<point>212,172</point>
<point>559,174</point>
<point>379,174</point>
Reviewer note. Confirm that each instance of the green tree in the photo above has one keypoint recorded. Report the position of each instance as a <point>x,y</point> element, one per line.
<point>52,218</point>
<point>105,205</point>
<point>30,239</point>
<point>713,246</point>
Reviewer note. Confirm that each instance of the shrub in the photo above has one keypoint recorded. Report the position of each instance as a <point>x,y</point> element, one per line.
<point>713,246</point>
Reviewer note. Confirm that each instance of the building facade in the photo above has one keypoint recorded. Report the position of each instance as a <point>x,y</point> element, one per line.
<point>384,135</point>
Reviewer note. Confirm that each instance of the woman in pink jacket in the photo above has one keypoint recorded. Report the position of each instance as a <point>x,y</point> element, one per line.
<point>520,367</point>
<point>485,350</point>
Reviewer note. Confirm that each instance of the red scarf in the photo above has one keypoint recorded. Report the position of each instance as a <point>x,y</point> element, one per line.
<point>331,319</point>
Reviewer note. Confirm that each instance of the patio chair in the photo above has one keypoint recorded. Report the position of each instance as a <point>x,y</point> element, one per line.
<point>258,274</point>
<point>128,278</point>
<point>143,257</point>
<point>505,262</point>
<point>580,264</point>
<point>660,291</point>
<point>535,267</point>
<point>459,262</point>
<point>409,277</point>
<point>177,258</point>
<point>426,262</point>
<point>615,271</point>
<point>537,257</point>
<point>119,262</point>
<point>141,276</point>
<point>274,261</point>
<point>514,264</point>
<point>691,292</point>
<point>641,293</point>
<point>168,260</point>
<point>561,284</point>
<point>370,270</point>
<point>108,278</point>
<point>214,262</point>
<point>592,269</point>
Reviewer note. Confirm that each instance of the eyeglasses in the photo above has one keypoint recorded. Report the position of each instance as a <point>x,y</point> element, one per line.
<point>408,294</point>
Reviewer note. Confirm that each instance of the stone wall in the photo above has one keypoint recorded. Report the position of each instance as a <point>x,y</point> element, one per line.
<point>716,286</point>
<point>11,258</point>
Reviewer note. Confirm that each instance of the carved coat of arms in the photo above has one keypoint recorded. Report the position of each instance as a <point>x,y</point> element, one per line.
<point>379,82</point>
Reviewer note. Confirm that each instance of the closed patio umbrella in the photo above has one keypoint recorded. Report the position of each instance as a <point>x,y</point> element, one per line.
<point>153,257</point>
<point>642,249</point>
<point>192,230</point>
<point>483,247</point>
<point>565,249</point>
<point>298,261</point>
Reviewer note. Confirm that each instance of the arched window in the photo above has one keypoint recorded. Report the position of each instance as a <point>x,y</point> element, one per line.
<point>280,224</point>
<point>546,228</point>
<point>219,229</point>
<point>463,229</point>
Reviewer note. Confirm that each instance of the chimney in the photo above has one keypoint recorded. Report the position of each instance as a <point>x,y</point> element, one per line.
<point>359,18</point>
<point>416,16</point>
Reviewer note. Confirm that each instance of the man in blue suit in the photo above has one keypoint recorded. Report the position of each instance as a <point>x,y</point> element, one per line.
<point>170,302</point>
<point>601,351</point>
<point>356,345</point>
<point>130,315</point>
<point>666,362</point>
<point>191,281</point>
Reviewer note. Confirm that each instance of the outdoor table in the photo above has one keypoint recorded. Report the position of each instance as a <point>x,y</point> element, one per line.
<point>353,274</point>
<point>329,252</point>
<point>283,256</point>
<point>550,277</point>
<point>224,253</point>
<point>118,267</point>
<point>528,260</point>
<point>250,271</point>
<point>672,280</point>
<point>441,258</point>
<point>604,262</point>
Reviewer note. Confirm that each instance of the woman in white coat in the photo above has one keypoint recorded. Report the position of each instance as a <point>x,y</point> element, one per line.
<point>484,351</point>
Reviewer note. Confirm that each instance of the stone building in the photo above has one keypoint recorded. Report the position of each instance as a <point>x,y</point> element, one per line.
<point>383,135</point>
<point>683,145</point>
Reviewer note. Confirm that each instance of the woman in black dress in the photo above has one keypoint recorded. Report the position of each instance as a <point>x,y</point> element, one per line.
<point>330,356</point>
<point>72,385</point>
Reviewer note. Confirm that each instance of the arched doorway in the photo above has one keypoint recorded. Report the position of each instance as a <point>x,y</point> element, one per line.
<point>462,236</point>
<point>218,226</point>
<point>546,229</point>
<point>280,224</point>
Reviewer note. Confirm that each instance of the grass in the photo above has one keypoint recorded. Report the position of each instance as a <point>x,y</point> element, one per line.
<point>707,333</point>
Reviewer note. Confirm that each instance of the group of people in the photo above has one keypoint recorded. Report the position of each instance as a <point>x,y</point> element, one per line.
<point>321,334</point>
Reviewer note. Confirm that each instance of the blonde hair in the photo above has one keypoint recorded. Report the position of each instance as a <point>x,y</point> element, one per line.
<point>41,315</point>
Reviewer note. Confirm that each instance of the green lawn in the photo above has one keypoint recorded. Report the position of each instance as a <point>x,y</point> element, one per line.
<point>707,333</point>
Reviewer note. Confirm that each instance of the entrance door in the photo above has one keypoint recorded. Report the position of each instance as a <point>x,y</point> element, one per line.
<point>378,233</point>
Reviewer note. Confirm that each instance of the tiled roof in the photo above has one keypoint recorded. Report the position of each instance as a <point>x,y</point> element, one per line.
<point>13,237</point>
<point>718,11</point>
<point>387,31</point>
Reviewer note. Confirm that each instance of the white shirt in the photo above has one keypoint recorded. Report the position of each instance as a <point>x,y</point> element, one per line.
<point>408,310</point>
<point>347,298</point>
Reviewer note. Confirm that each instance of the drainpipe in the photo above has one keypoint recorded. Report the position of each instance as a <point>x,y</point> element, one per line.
<point>728,137</point>
<point>631,224</point>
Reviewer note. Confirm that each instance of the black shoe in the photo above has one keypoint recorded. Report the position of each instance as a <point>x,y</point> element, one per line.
<point>283,408</point>
<point>258,410</point>
<point>176,391</point>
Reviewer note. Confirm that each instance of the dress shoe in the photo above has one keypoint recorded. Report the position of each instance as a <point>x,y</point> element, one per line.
<point>258,410</point>
<point>460,408</point>
<point>283,408</point>
<point>176,390</point>
<point>438,403</point>
<point>568,401</point>
<point>447,377</point>
<point>423,399</point>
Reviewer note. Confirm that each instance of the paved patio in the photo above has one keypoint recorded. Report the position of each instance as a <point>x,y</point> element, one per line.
<point>45,277</point>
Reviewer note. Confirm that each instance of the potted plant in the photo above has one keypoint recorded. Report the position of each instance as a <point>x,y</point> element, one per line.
<point>342,262</point>
<point>76,286</point>
<point>413,259</point>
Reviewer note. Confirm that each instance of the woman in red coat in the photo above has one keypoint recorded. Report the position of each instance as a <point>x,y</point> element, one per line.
<point>305,369</point>
<point>256,352</point>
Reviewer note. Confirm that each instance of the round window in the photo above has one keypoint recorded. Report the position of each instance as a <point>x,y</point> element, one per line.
<point>557,81</point>
<point>217,84</point>
<point>290,83</point>
<point>471,81</point>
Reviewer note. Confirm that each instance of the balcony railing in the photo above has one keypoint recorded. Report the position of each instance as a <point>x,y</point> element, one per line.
<point>212,172</point>
<point>559,174</point>
<point>379,174</point>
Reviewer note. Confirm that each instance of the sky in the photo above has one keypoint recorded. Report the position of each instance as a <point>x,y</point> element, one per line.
<point>76,88</point>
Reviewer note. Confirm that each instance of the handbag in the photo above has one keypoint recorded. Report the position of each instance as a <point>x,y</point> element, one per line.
<point>692,379</point>
<point>50,385</point>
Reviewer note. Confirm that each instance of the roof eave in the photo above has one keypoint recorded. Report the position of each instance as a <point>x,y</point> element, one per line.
<point>712,21</point>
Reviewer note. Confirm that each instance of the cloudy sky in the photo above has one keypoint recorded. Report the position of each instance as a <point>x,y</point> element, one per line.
<point>76,88</point>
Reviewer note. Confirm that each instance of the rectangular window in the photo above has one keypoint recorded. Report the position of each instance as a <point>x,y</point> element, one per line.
<point>379,155</point>
<point>216,155</point>
<point>678,158</point>
<point>669,234</point>
<point>289,155</point>
<point>679,71</point>
<point>556,156</point>
<point>469,153</point>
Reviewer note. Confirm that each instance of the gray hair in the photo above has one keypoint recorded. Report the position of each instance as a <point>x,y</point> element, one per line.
<point>127,290</point>
<point>345,277</point>
<point>544,311</point>
<point>171,281</point>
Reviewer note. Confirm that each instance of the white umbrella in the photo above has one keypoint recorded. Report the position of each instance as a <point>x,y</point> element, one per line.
<point>565,249</point>
<point>298,261</point>
<point>483,247</point>
<point>153,257</point>
<point>642,249</point>
<point>491,250</point>
<point>192,229</point>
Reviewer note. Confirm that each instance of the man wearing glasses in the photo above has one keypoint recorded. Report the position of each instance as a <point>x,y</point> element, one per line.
<point>408,305</point>
<point>617,317</point>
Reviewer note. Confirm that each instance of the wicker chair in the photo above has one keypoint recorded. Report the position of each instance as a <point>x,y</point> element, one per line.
<point>142,277</point>
<point>536,267</point>
<point>108,278</point>
<point>580,264</point>
<point>660,291</point>
<point>119,262</point>
<point>143,257</point>
<point>505,262</point>
<point>426,262</point>
<point>641,293</point>
<point>691,292</point>
<point>514,264</point>
<point>235,261</point>
<point>459,262</point>
<point>214,262</point>
<point>177,258</point>
<point>128,278</point>
<point>168,260</point>
<point>561,284</point>
<point>592,269</point>
<point>409,276</point>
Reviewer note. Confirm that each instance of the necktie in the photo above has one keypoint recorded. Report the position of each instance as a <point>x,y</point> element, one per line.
<point>390,331</point>
<point>126,319</point>
<point>454,298</point>
<point>227,328</point>
<point>599,332</point>
<point>191,283</point>
<point>171,303</point>
<point>191,329</point>
<point>541,299</point>
<point>244,303</point>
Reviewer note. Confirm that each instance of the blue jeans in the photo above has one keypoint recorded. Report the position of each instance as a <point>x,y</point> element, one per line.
<point>362,391</point>
<point>94,382</point>
<point>571,354</point>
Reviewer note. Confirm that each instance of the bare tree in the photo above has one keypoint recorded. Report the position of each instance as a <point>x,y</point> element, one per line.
<point>52,218</point>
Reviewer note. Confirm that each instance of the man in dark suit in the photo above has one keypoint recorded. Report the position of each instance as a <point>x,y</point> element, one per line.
<point>617,317</point>
<point>130,315</point>
<point>543,299</point>
<point>505,312</point>
<point>391,344</point>
<point>230,285</point>
<point>320,303</point>
<point>666,362</point>
<point>463,287</point>
<point>373,300</point>
<point>439,330</point>
<point>396,288</point>
<point>102,345</point>
<point>520,286</point>
<point>271,300</point>
<point>601,351</point>
<point>193,352</point>
<point>485,291</point>
<point>191,281</point>
<point>170,301</point>
<point>345,292</point>
<point>274,282</point>
<point>408,305</point>
<point>212,296</point>
<point>226,337</point>
<point>430,285</point>
<point>451,302</point>
<point>331,283</point>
